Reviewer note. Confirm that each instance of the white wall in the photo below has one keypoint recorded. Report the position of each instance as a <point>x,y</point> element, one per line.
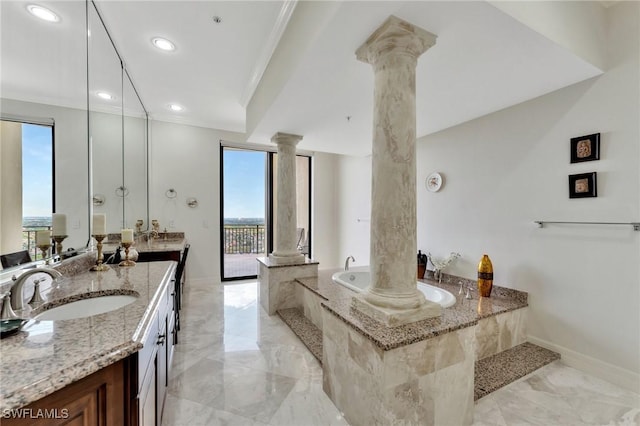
<point>324,216</point>
<point>71,155</point>
<point>187,159</point>
<point>354,212</point>
<point>504,171</point>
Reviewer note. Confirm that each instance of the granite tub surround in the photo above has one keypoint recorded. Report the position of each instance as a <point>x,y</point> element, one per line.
<point>465,313</point>
<point>278,289</point>
<point>393,298</point>
<point>45,356</point>
<point>427,383</point>
<point>286,251</point>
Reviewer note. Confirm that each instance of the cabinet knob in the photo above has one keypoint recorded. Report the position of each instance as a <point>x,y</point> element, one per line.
<point>161,339</point>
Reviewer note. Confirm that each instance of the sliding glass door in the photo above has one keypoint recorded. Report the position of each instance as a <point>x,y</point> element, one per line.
<point>248,204</point>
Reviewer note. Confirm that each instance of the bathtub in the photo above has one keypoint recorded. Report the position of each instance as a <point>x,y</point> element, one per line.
<point>359,281</point>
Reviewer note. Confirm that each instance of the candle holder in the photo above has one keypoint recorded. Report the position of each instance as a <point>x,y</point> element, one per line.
<point>127,261</point>
<point>59,239</point>
<point>44,248</point>
<point>99,266</point>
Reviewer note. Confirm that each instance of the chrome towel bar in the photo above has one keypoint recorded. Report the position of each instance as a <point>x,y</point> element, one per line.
<point>636,225</point>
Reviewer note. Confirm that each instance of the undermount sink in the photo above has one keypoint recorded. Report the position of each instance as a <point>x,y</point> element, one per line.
<point>86,307</point>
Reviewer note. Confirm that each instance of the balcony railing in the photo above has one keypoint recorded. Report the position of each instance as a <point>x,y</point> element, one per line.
<point>29,240</point>
<point>240,239</point>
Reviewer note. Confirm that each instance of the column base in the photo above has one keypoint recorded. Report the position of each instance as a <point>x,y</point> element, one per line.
<point>393,317</point>
<point>287,259</point>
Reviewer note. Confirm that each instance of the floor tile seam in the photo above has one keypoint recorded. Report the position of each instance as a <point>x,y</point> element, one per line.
<point>254,369</point>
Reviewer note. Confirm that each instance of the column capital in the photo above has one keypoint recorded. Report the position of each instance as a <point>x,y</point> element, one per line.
<point>286,139</point>
<point>395,36</point>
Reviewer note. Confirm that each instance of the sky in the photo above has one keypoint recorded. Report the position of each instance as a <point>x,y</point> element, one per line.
<point>244,183</point>
<point>37,177</point>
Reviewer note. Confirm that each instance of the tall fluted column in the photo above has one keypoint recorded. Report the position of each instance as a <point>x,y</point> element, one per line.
<point>393,50</point>
<point>286,251</point>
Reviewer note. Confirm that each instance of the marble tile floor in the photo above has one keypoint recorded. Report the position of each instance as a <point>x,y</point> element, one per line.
<point>235,365</point>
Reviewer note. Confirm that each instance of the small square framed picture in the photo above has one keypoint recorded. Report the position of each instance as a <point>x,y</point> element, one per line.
<point>585,148</point>
<point>583,185</point>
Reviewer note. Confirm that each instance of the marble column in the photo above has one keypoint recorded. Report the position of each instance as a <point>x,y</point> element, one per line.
<point>393,50</point>
<point>286,250</point>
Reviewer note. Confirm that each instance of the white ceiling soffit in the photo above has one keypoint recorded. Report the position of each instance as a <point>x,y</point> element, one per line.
<point>483,61</point>
<point>213,64</point>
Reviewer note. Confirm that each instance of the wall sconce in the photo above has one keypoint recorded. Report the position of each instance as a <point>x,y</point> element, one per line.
<point>192,202</point>
<point>98,199</point>
<point>171,193</point>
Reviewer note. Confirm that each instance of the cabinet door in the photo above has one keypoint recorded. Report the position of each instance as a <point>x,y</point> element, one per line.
<point>161,370</point>
<point>97,399</point>
<point>148,398</point>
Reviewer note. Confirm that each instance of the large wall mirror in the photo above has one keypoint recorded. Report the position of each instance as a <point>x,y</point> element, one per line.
<point>118,132</point>
<point>53,74</point>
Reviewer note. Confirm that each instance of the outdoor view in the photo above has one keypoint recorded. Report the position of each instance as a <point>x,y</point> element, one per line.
<point>244,236</point>
<point>37,184</point>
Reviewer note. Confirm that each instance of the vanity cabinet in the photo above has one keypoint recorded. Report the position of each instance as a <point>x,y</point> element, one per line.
<point>152,363</point>
<point>98,399</point>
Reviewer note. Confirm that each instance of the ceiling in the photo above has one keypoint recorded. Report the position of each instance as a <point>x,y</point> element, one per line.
<point>287,66</point>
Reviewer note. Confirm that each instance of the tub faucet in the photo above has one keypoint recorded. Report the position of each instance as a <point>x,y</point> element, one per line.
<point>17,299</point>
<point>346,262</point>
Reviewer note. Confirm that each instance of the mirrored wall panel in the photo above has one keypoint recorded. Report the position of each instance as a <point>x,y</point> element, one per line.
<point>44,126</point>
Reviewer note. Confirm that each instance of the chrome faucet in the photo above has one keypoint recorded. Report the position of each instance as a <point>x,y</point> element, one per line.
<point>17,299</point>
<point>346,262</point>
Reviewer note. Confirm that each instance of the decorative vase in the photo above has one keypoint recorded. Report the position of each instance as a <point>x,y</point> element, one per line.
<point>485,276</point>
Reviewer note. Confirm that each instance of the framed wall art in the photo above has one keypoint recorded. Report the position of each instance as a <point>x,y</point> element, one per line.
<point>585,148</point>
<point>583,185</point>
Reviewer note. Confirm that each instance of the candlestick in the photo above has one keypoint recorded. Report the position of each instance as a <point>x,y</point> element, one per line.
<point>44,248</point>
<point>99,224</point>
<point>126,235</point>
<point>59,239</point>
<point>99,266</point>
<point>59,224</point>
<point>127,261</point>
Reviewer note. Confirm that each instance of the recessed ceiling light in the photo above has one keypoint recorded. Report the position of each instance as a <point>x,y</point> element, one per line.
<point>43,13</point>
<point>175,107</point>
<point>163,44</point>
<point>105,95</point>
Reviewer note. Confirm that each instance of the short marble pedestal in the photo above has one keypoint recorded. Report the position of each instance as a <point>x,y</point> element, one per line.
<point>276,283</point>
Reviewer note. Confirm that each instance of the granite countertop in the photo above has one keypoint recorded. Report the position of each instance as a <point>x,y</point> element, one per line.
<point>465,312</point>
<point>47,355</point>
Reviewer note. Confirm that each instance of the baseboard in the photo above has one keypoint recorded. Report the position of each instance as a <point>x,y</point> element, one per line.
<point>626,379</point>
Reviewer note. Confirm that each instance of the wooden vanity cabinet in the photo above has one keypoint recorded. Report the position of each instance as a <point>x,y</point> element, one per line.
<point>98,399</point>
<point>129,392</point>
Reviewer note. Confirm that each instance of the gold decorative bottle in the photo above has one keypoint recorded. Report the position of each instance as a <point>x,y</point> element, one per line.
<point>485,276</point>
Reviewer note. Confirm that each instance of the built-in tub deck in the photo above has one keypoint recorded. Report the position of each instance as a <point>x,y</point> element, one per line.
<point>508,361</point>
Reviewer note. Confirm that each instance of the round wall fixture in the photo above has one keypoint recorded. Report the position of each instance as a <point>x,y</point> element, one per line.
<point>434,182</point>
<point>192,202</point>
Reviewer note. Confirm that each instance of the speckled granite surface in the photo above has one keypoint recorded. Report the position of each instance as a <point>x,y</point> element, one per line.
<point>496,371</point>
<point>465,313</point>
<point>48,355</point>
<point>269,264</point>
<point>308,333</point>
